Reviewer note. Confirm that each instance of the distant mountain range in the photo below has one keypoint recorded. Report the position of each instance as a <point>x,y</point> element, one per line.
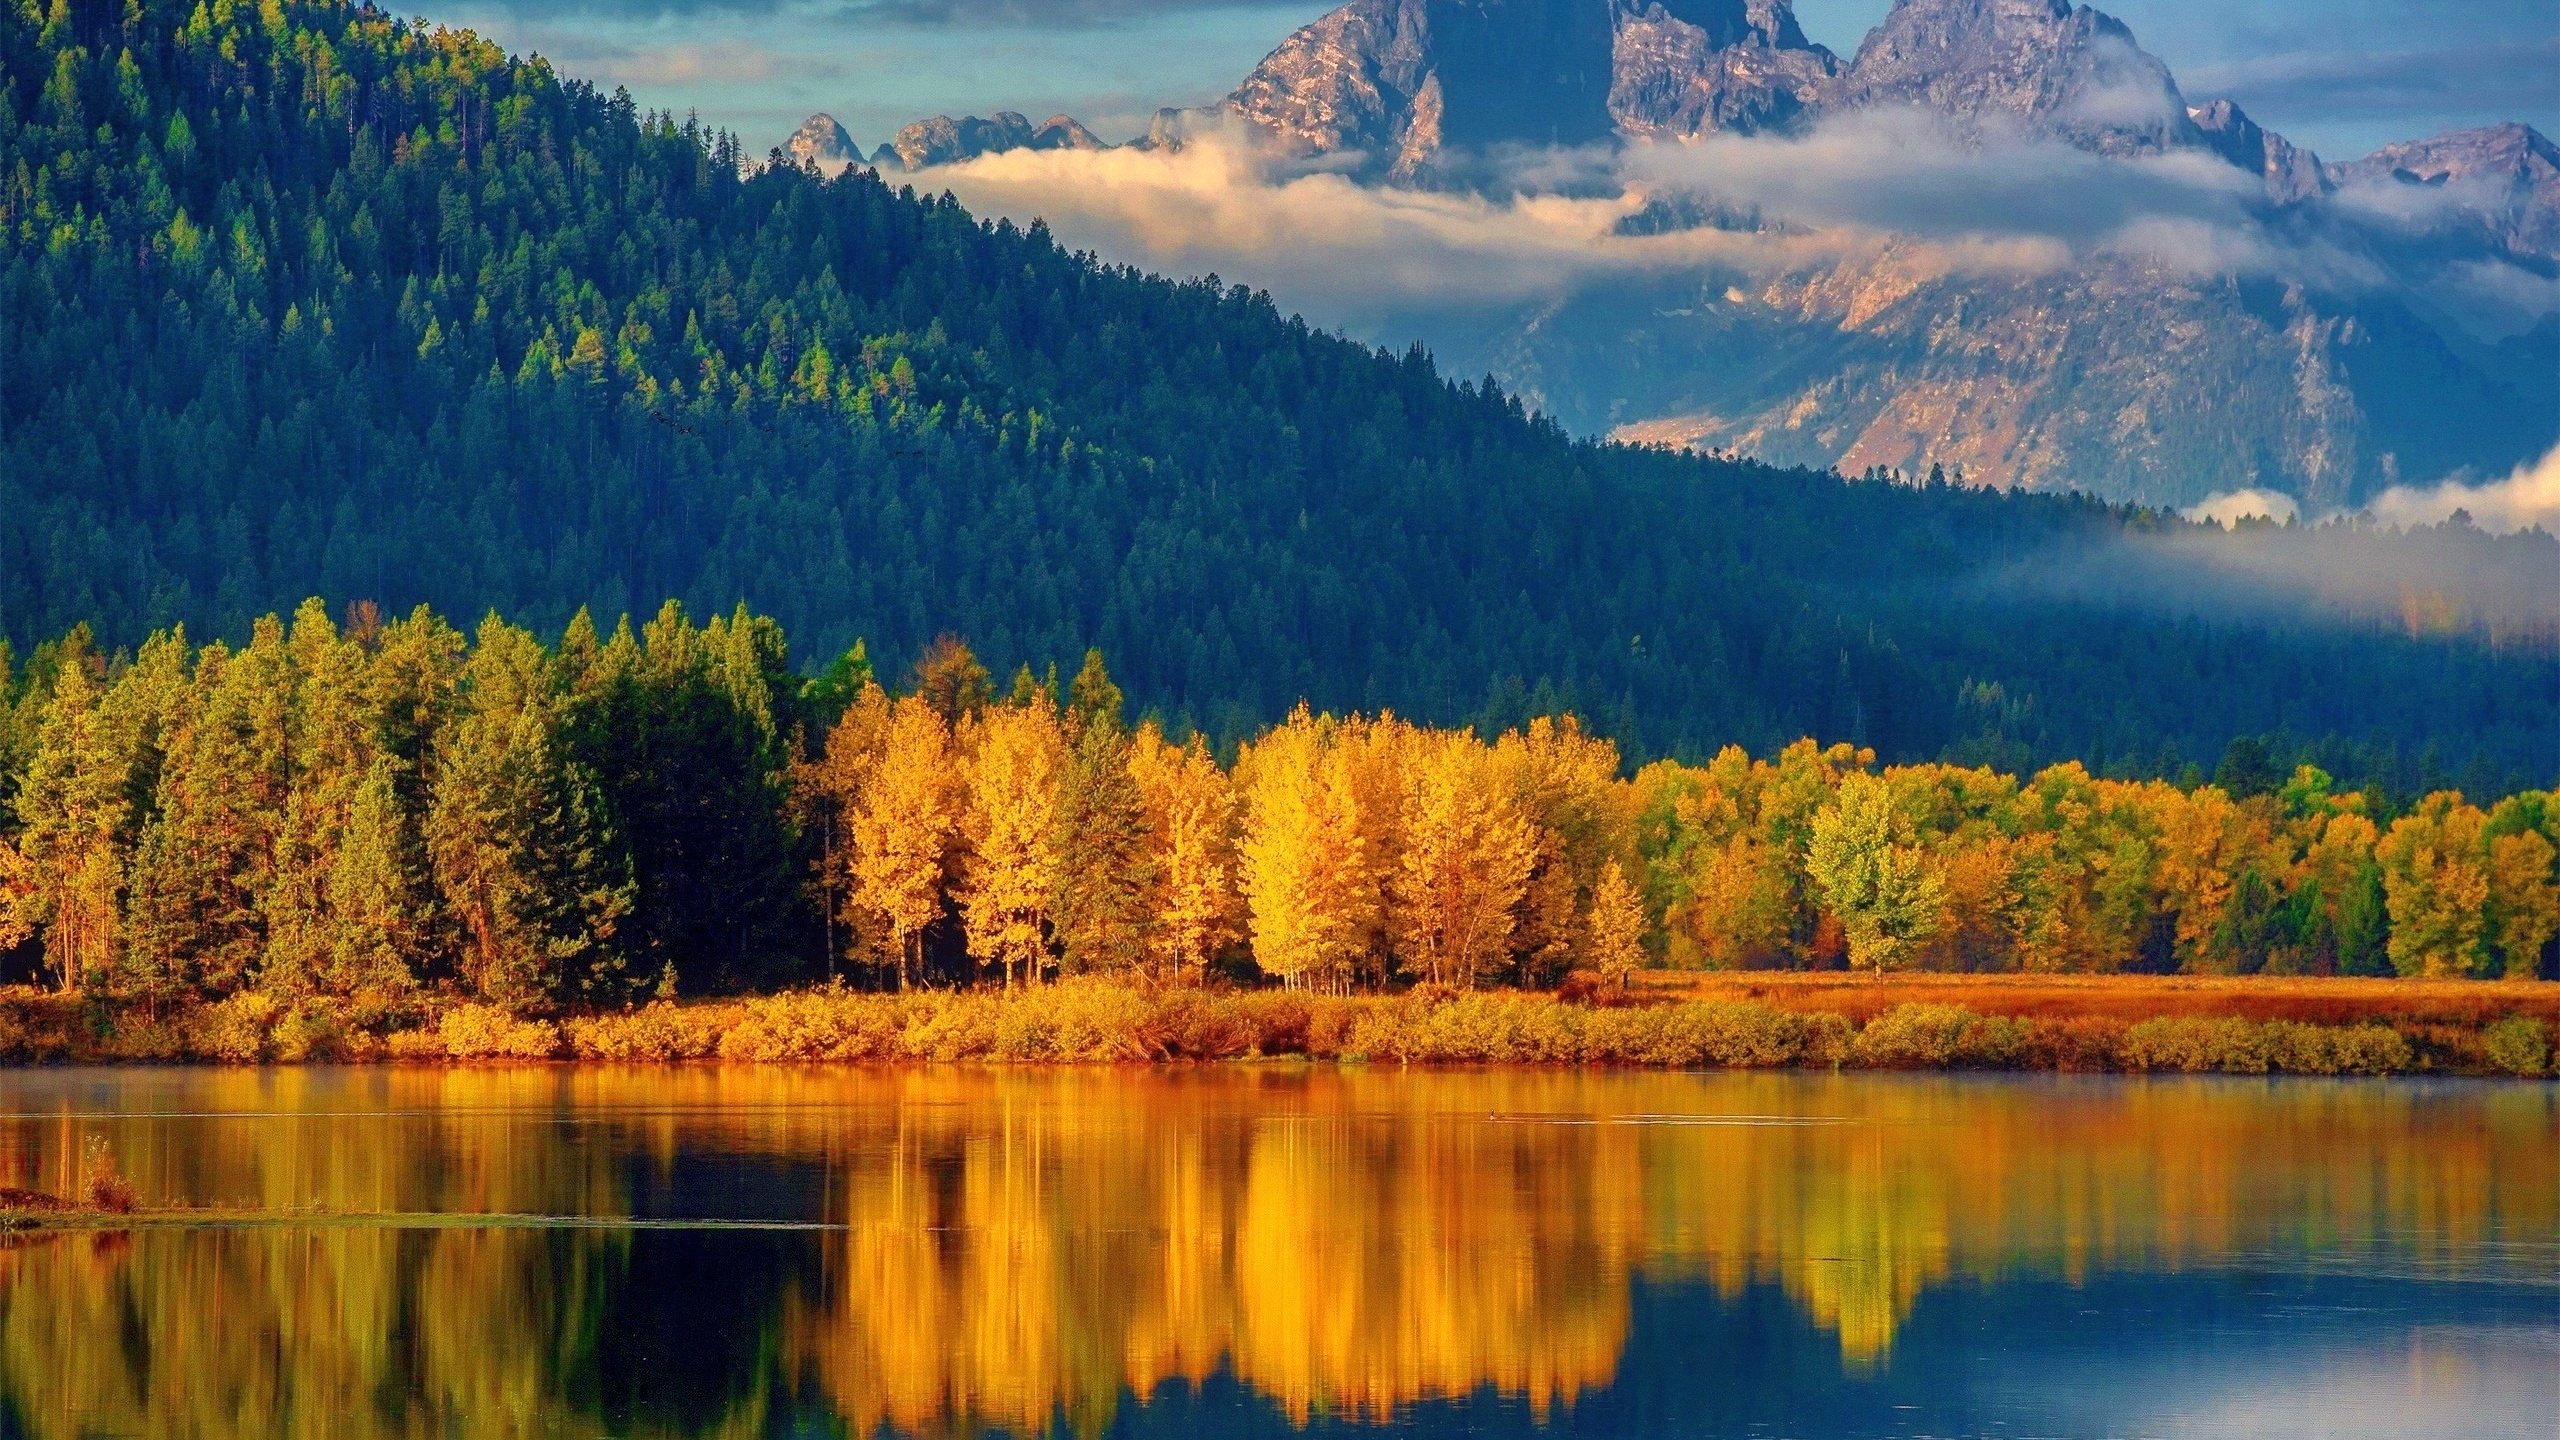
<point>2125,373</point>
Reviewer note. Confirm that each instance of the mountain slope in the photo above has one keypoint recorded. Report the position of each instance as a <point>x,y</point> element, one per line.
<point>312,300</point>
<point>2343,329</point>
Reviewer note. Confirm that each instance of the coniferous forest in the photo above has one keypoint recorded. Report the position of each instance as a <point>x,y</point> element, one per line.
<point>300,298</point>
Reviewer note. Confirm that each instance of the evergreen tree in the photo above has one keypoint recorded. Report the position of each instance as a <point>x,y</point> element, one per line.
<point>1107,872</point>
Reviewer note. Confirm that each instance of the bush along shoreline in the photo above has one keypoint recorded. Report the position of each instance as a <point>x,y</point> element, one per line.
<point>1088,1022</point>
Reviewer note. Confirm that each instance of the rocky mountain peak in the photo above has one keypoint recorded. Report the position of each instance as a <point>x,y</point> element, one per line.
<point>1696,66</point>
<point>2506,176</point>
<point>820,141</point>
<point>1400,81</point>
<point>2039,66</point>
<point>945,141</point>
<point>2292,174</point>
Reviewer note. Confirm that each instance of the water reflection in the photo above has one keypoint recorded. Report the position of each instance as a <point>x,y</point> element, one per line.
<point>948,1251</point>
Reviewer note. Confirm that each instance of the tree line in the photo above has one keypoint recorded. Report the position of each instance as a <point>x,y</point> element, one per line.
<point>297,297</point>
<point>387,812</point>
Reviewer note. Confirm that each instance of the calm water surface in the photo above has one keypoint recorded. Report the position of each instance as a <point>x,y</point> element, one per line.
<point>750,1251</point>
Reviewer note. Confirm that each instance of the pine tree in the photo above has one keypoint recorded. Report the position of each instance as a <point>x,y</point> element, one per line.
<point>524,854</point>
<point>74,806</point>
<point>1101,903</point>
<point>200,888</point>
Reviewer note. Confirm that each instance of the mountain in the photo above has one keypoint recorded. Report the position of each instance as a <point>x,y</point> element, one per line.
<point>820,141</point>
<point>945,141</point>
<point>1714,65</point>
<point>2161,369</point>
<point>2504,178</point>
<point>2040,67</point>
<point>384,344</point>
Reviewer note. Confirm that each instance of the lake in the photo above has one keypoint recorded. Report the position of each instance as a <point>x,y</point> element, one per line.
<point>1282,1250</point>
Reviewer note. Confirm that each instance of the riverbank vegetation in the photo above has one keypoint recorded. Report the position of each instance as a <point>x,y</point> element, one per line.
<point>1871,1025</point>
<point>393,819</point>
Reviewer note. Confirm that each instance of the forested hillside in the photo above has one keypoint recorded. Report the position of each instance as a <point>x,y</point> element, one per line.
<point>297,298</point>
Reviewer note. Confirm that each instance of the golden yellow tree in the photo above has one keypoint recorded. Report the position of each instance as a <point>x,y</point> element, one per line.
<point>1467,855</point>
<point>904,824</point>
<point>1191,817</point>
<point>1617,927</point>
<point>1307,873</point>
<point>1015,755</point>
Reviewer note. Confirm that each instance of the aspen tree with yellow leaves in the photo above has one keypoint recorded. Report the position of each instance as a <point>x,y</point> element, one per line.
<point>1465,866</point>
<point>1191,820</point>
<point>1016,754</point>
<point>1617,927</point>
<point>1307,868</point>
<point>904,827</point>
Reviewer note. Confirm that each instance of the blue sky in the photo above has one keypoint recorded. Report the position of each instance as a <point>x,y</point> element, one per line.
<point>2341,76</point>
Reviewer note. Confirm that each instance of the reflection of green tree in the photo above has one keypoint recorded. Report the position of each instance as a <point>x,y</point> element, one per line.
<point>1027,1247</point>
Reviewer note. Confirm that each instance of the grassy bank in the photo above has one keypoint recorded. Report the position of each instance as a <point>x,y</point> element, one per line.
<point>1917,1023</point>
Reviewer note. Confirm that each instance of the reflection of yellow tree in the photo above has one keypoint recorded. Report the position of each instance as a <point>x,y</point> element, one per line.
<point>1020,1246</point>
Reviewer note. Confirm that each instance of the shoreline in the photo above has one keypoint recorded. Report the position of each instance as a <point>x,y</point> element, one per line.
<point>1668,1020</point>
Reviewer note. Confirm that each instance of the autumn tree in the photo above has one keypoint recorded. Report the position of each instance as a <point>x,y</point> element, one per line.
<point>2437,887</point>
<point>1191,823</point>
<point>1467,854</point>
<point>1617,927</point>
<point>1306,866</point>
<point>949,679</point>
<point>2524,903</point>
<point>1885,892</point>
<point>904,826</point>
<point>1015,756</point>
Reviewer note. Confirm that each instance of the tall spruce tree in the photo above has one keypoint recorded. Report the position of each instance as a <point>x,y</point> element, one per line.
<point>1101,909</point>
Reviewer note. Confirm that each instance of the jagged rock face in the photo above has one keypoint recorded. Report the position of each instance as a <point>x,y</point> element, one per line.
<point>2508,176</point>
<point>945,141</point>
<point>2292,174</point>
<point>1400,81</point>
<point>2115,377</point>
<point>2037,65</point>
<point>1708,65</point>
<point>1065,132</point>
<point>820,141</point>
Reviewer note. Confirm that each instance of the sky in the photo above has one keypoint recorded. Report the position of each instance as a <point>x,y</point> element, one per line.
<point>2340,76</point>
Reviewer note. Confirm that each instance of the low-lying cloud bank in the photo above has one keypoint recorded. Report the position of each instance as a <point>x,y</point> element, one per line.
<point>2527,499</point>
<point>1543,223</point>
<point>2444,559</point>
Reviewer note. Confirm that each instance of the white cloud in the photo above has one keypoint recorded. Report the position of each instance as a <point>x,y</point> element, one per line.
<point>2232,507</point>
<point>2527,498</point>
<point>1852,187</point>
